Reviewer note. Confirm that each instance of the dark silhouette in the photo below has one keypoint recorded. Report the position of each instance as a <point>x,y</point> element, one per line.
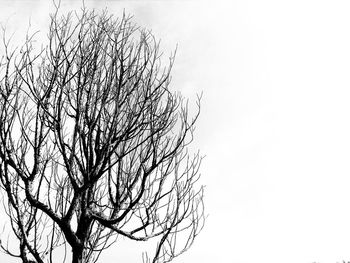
<point>93,144</point>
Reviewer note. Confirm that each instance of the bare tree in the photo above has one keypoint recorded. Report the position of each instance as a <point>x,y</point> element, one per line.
<point>93,143</point>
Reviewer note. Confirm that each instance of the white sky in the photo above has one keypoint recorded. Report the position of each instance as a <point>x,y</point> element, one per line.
<point>275,122</point>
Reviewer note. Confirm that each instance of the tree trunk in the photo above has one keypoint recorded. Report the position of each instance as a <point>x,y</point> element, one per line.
<point>77,255</point>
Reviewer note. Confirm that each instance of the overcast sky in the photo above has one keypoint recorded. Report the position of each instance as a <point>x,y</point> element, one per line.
<point>275,121</point>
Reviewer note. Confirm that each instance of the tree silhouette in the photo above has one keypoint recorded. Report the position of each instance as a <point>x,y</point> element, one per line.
<point>93,143</point>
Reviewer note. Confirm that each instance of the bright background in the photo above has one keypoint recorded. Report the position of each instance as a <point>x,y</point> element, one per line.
<point>275,122</point>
